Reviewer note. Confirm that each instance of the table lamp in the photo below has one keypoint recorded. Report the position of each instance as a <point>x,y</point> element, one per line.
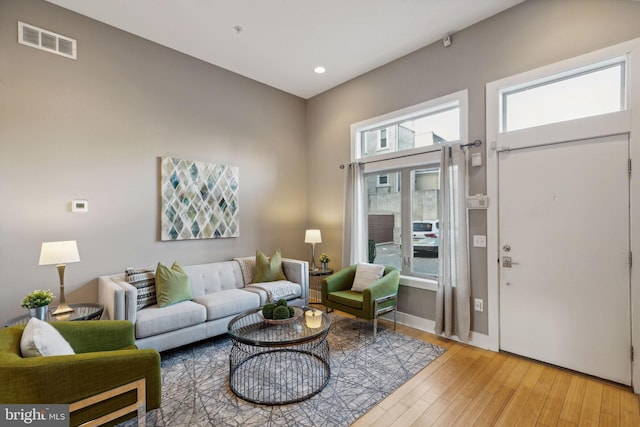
<point>313,237</point>
<point>60,253</point>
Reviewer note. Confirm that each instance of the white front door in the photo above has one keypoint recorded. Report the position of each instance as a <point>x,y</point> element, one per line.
<point>564,226</point>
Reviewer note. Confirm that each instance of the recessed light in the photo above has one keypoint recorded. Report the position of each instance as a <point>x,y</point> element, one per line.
<point>319,69</point>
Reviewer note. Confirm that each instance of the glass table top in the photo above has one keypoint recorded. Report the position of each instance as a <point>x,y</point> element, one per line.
<point>251,328</point>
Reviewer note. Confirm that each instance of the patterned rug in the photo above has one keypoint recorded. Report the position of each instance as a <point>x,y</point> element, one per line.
<point>195,381</point>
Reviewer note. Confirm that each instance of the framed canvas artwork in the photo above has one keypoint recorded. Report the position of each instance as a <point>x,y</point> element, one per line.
<point>199,200</point>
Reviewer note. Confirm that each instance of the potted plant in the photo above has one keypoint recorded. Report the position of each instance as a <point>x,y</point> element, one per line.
<point>324,260</point>
<point>37,302</point>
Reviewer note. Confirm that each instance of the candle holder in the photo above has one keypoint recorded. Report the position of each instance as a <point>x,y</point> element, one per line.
<point>313,318</point>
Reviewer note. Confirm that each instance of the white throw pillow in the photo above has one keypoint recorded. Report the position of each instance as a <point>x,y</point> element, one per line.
<point>41,339</point>
<point>366,275</point>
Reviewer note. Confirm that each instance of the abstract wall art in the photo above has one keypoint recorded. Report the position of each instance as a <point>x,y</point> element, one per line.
<point>199,200</point>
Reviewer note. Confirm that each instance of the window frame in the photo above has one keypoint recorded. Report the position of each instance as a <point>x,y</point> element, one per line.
<point>379,183</point>
<point>560,76</point>
<point>420,157</point>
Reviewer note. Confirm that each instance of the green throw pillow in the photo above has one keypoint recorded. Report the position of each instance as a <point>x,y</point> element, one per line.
<point>269,269</point>
<point>172,285</point>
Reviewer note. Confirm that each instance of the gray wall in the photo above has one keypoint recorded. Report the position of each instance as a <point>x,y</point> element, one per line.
<point>94,129</point>
<point>529,35</point>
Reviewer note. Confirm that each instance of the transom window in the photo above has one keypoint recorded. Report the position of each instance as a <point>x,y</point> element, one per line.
<point>432,126</point>
<point>584,92</point>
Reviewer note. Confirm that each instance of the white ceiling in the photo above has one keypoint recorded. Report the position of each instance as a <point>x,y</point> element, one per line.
<point>282,41</point>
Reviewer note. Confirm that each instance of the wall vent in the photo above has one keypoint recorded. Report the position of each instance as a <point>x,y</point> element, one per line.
<point>29,35</point>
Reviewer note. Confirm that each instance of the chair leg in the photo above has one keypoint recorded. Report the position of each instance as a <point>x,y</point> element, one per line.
<point>375,327</point>
<point>395,311</point>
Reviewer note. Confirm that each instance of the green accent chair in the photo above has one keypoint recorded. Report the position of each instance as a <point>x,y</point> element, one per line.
<point>106,357</point>
<point>379,298</point>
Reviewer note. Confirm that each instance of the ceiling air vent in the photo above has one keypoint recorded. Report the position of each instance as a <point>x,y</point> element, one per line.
<point>29,35</point>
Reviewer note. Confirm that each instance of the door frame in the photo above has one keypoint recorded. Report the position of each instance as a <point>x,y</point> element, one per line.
<point>624,122</point>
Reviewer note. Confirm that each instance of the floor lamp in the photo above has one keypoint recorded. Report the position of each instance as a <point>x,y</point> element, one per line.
<point>313,237</point>
<point>60,253</point>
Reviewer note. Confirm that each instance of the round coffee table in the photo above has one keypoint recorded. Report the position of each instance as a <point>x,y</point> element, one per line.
<point>278,363</point>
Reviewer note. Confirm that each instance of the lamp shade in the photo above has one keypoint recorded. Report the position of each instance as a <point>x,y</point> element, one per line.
<point>59,252</point>
<point>312,236</point>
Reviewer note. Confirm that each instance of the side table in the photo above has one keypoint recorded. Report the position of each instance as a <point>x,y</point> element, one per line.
<point>315,284</point>
<point>83,311</point>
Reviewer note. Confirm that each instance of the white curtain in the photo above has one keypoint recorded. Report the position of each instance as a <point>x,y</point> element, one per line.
<point>453,303</point>
<point>354,249</point>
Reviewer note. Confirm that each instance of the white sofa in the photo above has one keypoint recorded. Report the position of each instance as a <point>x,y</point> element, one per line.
<point>220,292</point>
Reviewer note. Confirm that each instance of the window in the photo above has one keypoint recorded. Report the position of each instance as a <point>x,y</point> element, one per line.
<point>402,183</point>
<point>583,92</point>
<point>430,127</point>
<point>383,139</point>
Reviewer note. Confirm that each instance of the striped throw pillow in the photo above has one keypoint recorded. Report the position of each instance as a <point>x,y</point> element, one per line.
<point>144,280</point>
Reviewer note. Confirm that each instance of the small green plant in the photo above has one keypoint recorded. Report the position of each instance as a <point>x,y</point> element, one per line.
<point>37,298</point>
<point>281,312</point>
<point>267,311</point>
<point>278,310</point>
<point>324,257</point>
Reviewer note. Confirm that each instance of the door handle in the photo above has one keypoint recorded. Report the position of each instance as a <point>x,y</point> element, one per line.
<point>507,262</point>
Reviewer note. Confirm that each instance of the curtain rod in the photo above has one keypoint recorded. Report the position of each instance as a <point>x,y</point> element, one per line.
<point>476,143</point>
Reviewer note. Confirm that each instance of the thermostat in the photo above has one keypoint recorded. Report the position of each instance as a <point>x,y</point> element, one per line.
<point>479,201</point>
<point>80,206</point>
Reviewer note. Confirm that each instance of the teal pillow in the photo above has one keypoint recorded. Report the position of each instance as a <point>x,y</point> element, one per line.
<point>269,269</point>
<point>172,285</point>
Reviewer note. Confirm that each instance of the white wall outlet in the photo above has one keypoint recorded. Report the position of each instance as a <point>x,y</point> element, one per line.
<point>479,241</point>
<point>478,304</point>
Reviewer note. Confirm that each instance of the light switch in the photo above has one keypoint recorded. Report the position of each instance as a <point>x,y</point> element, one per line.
<point>479,241</point>
<point>476,159</point>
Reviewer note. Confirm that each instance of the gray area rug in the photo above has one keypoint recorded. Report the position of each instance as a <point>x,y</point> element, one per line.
<point>195,381</point>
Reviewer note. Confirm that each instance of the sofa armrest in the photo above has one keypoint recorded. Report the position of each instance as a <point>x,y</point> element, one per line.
<point>111,296</point>
<point>298,272</point>
<point>385,286</point>
<point>118,297</point>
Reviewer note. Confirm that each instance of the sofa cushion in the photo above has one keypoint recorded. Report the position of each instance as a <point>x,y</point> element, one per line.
<point>156,320</point>
<point>227,302</point>
<point>41,339</point>
<point>172,285</point>
<point>366,275</point>
<point>144,280</point>
<point>348,298</point>
<point>269,269</point>
<point>213,277</point>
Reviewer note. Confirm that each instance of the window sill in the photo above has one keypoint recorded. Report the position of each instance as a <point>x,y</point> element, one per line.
<point>415,282</point>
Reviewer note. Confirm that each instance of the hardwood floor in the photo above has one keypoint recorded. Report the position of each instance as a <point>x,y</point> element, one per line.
<point>468,386</point>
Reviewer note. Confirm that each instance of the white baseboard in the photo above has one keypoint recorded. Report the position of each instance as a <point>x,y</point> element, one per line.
<point>427,325</point>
